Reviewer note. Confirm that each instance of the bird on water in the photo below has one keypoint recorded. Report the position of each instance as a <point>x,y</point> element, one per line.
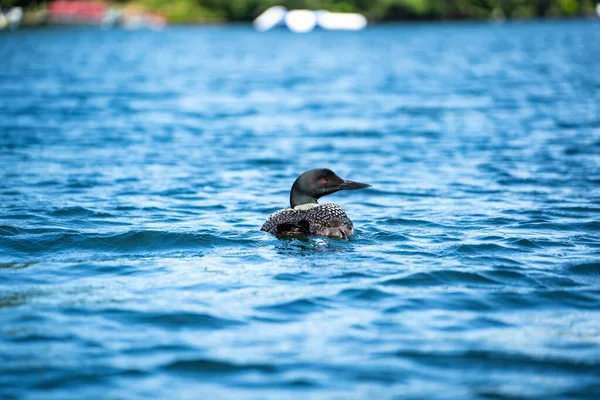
<point>306,216</point>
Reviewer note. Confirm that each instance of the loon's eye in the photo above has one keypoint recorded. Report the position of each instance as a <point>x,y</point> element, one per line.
<point>323,180</point>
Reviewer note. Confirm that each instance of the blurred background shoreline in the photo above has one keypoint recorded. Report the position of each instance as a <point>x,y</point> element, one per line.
<point>157,13</point>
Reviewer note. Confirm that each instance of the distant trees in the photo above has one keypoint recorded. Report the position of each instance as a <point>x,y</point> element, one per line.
<point>194,11</point>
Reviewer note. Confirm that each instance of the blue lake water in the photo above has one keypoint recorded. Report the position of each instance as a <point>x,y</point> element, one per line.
<point>136,169</point>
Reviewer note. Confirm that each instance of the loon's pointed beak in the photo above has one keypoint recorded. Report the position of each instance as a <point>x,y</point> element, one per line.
<point>351,185</point>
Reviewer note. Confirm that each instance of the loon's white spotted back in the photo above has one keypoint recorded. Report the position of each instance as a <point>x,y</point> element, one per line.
<point>310,219</point>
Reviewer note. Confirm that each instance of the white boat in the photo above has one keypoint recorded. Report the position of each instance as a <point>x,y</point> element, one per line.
<point>341,21</point>
<point>270,18</point>
<point>303,21</point>
<point>300,21</point>
<point>11,19</point>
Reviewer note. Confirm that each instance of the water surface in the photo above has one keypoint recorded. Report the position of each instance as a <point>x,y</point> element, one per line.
<point>136,169</point>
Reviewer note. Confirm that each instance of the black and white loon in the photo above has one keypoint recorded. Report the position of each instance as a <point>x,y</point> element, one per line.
<point>307,217</point>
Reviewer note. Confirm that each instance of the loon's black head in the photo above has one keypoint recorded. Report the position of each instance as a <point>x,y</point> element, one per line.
<point>317,183</point>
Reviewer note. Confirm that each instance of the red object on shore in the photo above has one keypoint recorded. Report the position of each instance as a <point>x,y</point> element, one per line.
<point>76,11</point>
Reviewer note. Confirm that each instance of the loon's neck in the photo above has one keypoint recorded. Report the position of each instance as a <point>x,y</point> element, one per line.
<point>298,198</point>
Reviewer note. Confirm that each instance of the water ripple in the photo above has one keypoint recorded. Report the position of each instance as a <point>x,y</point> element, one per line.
<point>136,168</point>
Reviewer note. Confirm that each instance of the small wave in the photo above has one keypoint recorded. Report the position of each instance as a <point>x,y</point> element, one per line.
<point>289,277</point>
<point>81,212</point>
<point>211,366</point>
<point>436,278</point>
<point>523,243</point>
<point>268,161</point>
<point>145,349</point>
<point>545,298</point>
<point>71,212</point>
<point>578,300</point>
<point>180,191</point>
<point>296,307</point>
<point>182,320</point>
<point>480,249</point>
<point>355,134</point>
<point>193,209</point>
<point>47,183</point>
<point>6,230</point>
<point>490,260</point>
<point>413,222</point>
<point>584,211</point>
<point>352,276</point>
<point>593,123</point>
<point>19,217</point>
<point>84,184</point>
<point>369,294</point>
<point>498,221</point>
<point>385,236</point>
<point>586,268</point>
<point>16,265</point>
<point>130,242</point>
<point>388,193</point>
<point>593,226</point>
<point>36,231</point>
<point>511,277</point>
<point>477,359</point>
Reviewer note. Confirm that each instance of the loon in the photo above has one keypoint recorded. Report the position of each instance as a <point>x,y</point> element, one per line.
<point>306,216</point>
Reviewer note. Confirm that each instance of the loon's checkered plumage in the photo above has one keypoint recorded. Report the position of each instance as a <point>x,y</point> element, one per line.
<point>325,220</point>
<point>307,217</point>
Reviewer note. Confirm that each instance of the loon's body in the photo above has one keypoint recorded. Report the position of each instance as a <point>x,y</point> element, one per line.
<point>325,220</point>
<point>306,216</point>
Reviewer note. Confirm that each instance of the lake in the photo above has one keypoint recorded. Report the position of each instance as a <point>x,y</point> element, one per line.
<point>137,167</point>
